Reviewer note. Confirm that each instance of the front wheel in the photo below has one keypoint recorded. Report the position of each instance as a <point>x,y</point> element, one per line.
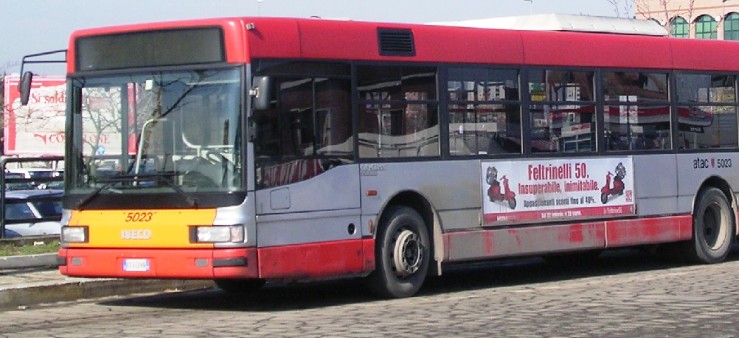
<point>402,254</point>
<point>713,228</point>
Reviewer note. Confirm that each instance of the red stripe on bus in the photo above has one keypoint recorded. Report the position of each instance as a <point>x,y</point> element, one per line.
<point>317,260</point>
<point>541,239</point>
<point>648,230</point>
<point>482,244</point>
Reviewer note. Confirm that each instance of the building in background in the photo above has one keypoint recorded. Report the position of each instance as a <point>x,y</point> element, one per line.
<point>699,19</point>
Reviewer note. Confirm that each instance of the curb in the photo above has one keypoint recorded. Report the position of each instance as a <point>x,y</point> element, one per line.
<point>28,261</point>
<point>71,289</point>
<point>93,288</point>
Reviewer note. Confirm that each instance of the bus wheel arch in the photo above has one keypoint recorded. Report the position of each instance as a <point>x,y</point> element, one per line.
<point>726,188</point>
<point>404,245</point>
<point>714,224</point>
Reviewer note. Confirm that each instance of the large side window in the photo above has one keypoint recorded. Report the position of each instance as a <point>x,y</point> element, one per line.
<point>484,111</point>
<point>707,111</point>
<point>308,126</point>
<point>637,111</point>
<point>679,27</point>
<point>706,28</point>
<point>731,27</point>
<point>398,112</point>
<point>562,111</point>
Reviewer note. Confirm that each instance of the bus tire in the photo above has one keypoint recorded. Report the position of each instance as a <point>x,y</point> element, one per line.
<point>402,254</point>
<point>239,285</point>
<point>713,228</point>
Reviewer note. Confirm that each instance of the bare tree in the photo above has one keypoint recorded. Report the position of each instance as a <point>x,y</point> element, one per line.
<point>619,5</point>
<point>662,11</point>
<point>646,8</point>
<point>4,71</point>
<point>689,12</point>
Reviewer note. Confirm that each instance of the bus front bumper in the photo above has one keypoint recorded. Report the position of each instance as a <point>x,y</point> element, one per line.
<point>153,263</point>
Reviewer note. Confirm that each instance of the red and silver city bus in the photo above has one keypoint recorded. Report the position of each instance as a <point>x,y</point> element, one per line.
<point>254,149</point>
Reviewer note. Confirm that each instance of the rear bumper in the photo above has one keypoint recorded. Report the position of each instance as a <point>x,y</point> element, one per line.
<point>152,263</point>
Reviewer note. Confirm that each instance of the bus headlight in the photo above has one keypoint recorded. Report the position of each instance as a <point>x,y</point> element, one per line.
<point>74,234</point>
<point>220,234</point>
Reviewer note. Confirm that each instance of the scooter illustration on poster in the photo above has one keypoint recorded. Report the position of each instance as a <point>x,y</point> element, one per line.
<point>496,193</point>
<point>618,184</point>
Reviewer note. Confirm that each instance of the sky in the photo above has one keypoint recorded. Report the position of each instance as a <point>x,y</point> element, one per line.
<point>35,26</point>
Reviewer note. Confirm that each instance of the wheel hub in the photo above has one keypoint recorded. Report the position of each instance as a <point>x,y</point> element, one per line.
<point>408,254</point>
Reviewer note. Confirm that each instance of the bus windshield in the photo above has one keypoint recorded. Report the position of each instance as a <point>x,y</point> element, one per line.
<point>158,132</point>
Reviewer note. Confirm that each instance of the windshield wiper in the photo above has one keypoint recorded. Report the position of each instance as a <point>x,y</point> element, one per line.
<point>81,205</point>
<point>191,201</point>
<point>109,181</point>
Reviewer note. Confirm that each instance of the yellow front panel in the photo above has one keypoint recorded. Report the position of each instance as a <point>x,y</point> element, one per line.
<point>141,228</point>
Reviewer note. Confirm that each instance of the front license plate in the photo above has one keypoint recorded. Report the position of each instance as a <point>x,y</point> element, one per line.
<point>136,264</point>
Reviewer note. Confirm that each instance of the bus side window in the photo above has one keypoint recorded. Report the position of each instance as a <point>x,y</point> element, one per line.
<point>306,131</point>
<point>644,86</point>
<point>707,113</point>
<point>637,114</point>
<point>562,111</point>
<point>398,113</point>
<point>484,111</point>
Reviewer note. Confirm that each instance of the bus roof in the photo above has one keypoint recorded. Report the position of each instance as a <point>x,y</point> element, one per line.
<point>566,22</point>
<point>250,38</point>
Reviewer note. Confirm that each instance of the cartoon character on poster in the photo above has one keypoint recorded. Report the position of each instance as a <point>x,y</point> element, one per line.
<point>499,191</point>
<point>615,188</point>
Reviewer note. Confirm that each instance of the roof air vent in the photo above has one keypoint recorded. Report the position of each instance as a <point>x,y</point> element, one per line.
<point>396,42</point>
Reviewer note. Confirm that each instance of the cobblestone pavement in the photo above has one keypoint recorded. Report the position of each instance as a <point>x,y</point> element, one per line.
<point>623,295</point>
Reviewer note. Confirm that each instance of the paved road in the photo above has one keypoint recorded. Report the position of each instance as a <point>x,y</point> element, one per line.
<point>627,294</point>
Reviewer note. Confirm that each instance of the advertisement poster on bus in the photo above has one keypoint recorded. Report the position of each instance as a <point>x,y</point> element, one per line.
<point>37,128</point>
<point>539,190</point>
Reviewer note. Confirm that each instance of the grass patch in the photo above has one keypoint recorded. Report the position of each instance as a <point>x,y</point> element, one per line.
<point>29,246</point>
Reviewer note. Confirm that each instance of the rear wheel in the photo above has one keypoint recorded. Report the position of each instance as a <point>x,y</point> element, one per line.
<point>713,228</point>
<point>402,254</point>
<point>239,285</point>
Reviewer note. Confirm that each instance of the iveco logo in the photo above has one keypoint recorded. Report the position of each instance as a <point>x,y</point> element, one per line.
<point>137,234</point>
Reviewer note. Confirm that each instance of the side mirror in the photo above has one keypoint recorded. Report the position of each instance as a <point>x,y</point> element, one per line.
<point>25,87</point>
<point>261,92</point>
